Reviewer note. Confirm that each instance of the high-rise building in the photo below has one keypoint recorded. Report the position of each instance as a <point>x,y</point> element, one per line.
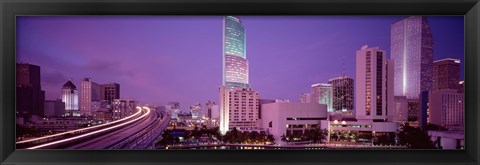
<point>461,88</point>
<point>305,98</point>
<point>235,64</point>
<point>208,108</point>
<point>196,111</point>
<point>323,94</point>
<point>70,98</point>
<point>123,108</point>
<point>372,84</point>
<point>238,109</point>
<point>109,92</point>
<point>342,92</point>
<point>401,109</point>
<point>89,97</point>
<point>30,97</point>
<point>412,51</point>
<point>446,74</point>
<point>446,108</point>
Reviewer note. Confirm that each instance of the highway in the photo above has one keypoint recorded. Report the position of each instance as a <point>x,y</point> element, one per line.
<point>111,139</point>
<point>117,134</point>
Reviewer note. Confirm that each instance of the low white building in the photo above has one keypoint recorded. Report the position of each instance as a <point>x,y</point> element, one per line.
<point>285,118</point>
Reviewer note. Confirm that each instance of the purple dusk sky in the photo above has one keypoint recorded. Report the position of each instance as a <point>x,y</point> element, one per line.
<point>157,59</point>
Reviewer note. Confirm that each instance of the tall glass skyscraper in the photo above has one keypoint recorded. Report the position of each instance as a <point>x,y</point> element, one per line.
<point>235,64</point>
<point>412,51</point>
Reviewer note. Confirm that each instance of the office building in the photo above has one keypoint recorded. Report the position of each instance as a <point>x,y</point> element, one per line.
<point>30,96</point>
<point>342,92</point>
<point>238,109</point>
<point>374,94</point>
<point>401,110</point>
<point>208,109</point>
<point>235,64</point>
<point>70,98</point>
<point>446,108</point>
<point>412,51</point>
<point>123,108</point>
<point>323,94</point>
<point>446,74</point>
<point>54,108</point>
<point>89,97</point>
<point>109,92</point>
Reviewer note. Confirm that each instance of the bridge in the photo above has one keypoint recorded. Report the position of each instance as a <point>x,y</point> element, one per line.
<point>140,130</point>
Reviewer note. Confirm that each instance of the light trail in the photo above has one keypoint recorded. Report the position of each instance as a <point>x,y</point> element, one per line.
<point>94,132</point>
<point>83,129</point>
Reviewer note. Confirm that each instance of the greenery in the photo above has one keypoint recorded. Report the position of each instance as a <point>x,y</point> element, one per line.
<point>235,136</point>
<point>315,135</point>
<point>415,138</point>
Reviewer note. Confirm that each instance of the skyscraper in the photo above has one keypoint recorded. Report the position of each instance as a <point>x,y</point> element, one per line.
<point>235,64</point>
<point>342,88</point>
<point>371,84</point>
<point>323,94</point>
<point>196,111</point>
<point>109,92</point>
<point>412,51</point>
<point>89,96</point>
<point>446,74</point>
<point>30,97</point>
<point>70,98</point>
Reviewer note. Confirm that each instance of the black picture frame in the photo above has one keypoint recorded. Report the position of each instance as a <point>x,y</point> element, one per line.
<point>11,8</point>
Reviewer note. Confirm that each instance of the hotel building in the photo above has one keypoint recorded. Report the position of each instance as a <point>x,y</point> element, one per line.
<point>374,85</point>
<point>239,108</point>
<point>89,97</point>
<point>342,92</point>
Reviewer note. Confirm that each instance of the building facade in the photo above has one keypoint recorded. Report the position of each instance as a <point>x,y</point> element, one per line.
<point>446,108</point>
<point>54,108</point>
<point>123,108</point>
<point>412,51</point>
<point>323,94</point>
<point>110,92</point>
<point>196,111</point>
<point>287,118</point>
<point>70,98</point>
<point>373,96</point>
<point>305,98</point>
<point>89,97</point>
<point>235,64</point>
<point>342,92</point>
<point>446,74</point>
<point>238,109</point>
<point>30,96</point>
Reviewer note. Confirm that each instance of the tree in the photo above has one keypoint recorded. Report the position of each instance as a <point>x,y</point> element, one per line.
<point>415,138</point>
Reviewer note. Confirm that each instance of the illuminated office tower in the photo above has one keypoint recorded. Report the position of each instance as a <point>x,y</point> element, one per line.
<point>446,74</point>
<point>371,84</point>
<point>412,51</point>
<point>342,92</point>
<point>235,64</point>
<point>89,97</point>
<point>70,98</point>
<point>323,94</point>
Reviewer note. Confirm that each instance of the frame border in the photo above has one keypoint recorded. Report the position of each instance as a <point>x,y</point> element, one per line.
<point>11,8</point>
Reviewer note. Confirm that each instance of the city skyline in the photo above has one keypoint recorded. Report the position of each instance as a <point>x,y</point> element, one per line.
<point>72,54</point>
